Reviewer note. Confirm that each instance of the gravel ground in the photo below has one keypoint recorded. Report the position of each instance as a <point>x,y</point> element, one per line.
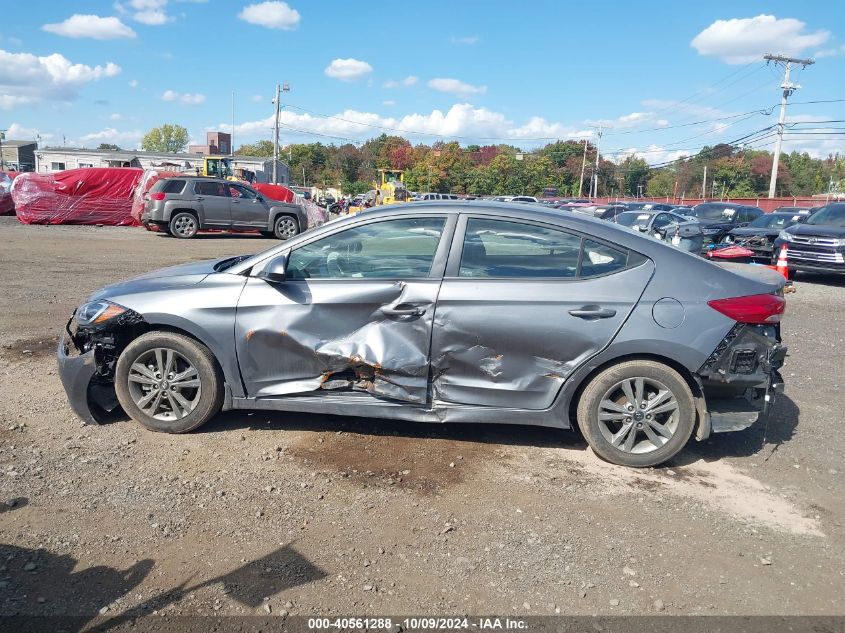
<point>276,514</point>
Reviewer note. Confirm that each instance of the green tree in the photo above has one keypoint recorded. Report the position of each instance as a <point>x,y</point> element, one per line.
<point>661,183</point>
<point>108,146</point>
<point>169,137</point>
<point>259,148</point>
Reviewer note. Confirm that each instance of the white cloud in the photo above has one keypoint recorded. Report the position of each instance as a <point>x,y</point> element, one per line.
<point>466,39</point>
<point>115,116</point>
<point>256,98</point>
<point>151,18</point>
<point>624,121</point>
<point>742,40</point>
<point>388,102</point>
<point>828,52</point>
<point>20,133</point>
<point>26,78</point>
<point>185,98</point>
<point>91,26</point>
<point>133,83</point>
<point>348,69</point>
<point>149,12</point>
<point>456,86</point>
<point>112,135</point>
<point>273,15</point>
<point>410,80</point>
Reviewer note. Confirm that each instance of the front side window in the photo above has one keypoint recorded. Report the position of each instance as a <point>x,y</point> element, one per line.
<point>211,189</point>
<point>239,191</point>
<point>392,249</point>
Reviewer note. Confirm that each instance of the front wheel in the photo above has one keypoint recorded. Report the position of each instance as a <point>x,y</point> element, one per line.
<point>168,382</point>
<point>638,413</point>
<point>286,227</point>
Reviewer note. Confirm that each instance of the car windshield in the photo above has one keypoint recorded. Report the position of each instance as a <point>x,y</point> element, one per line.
<point>831,215</point>
<point>714,212</point>
<point>633,219</point>
<point>774,220</point>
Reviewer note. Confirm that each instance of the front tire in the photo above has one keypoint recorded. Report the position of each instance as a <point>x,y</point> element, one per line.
<point>168,382</point>
<point>638,413</point>
<point>285,227</point>
<point>184,225</point>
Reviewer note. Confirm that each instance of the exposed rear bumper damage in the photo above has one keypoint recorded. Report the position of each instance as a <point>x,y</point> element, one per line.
<point>86,359</point>
<point>741,377</point>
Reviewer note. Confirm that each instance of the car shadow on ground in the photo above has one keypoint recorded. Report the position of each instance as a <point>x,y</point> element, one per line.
<point>817,279</point>
<point>505,434</point>
<point>762,439</point>
<point>218,236</point>
<point>43,592</point>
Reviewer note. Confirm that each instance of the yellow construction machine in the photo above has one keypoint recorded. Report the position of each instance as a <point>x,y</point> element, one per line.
<point>391,184</point>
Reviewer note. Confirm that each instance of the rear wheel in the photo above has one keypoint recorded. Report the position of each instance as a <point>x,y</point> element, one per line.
<point>168,382</point>
<point>286,227</point>
<point>637,413</point>
<point>184,225</point>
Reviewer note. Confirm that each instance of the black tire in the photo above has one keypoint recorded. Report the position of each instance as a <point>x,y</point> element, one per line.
<point>184,225</point>
<point>285,227</point>
<point>679,422</point>
<point>268,234</point>
<point>207,397</point>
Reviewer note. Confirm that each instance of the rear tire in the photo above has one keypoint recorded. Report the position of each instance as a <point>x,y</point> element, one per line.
<point>285,227</point>
<point>184,225</point>
<point>638,413</point>
<point>168,382</point>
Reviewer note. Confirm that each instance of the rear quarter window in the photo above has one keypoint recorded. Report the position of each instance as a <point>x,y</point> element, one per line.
<point>168,186</point>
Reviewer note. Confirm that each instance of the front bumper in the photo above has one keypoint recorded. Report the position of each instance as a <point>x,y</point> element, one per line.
<point>76,373</point>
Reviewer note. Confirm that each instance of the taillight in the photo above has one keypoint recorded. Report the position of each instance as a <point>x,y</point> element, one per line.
<point>157,196</point>
<point>751,309</point>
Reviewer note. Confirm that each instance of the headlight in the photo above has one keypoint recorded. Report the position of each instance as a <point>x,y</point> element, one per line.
<point>786,236</point>
<point>98,312</point>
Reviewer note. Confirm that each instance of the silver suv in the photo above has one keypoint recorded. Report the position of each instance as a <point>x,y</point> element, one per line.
<point>184,205</point>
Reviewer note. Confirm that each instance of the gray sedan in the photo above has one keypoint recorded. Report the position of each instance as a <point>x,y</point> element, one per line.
<point>444,312</point>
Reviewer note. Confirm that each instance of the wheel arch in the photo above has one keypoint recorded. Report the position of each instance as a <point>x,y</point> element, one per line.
<point>190,210</point>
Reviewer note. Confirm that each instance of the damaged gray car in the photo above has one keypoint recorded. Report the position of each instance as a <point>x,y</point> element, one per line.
<point>444,312</point>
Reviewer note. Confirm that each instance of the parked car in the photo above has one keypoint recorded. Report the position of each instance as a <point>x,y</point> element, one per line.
<point>602,211</point>
<point>760,235</point>
<point>435,196</point>
<point>680,232</point>
<point>717,219</point>
<point>435,312</point>
<point>647,206</point>
<point>682,209</point>
<point>523,199</point>
<point>817,244</point>
<point>185,205</point>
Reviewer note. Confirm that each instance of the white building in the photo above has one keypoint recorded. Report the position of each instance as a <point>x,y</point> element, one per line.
<point>51,159</point>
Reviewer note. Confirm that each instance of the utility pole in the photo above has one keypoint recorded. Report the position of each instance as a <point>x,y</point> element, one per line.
<point>2,136</point>
<point>704,184</point>
<point>278,102</point>
<point>583,164</point>
<point>596,171</point>
<point>788,89</point>
<point>232,139</point>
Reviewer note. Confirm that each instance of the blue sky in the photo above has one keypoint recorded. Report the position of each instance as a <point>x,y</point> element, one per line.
<point>519,72</point>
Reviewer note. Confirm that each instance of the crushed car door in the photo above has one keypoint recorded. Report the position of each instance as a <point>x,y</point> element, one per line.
<point>354,313</point>
<point>521,306</point>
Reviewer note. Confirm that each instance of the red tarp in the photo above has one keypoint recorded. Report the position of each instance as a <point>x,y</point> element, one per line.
<point>92,195</point>
<point>145,183</point>
<point>275,192</point>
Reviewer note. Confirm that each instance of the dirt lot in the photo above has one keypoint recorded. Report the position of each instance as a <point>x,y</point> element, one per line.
<point>271,513</point>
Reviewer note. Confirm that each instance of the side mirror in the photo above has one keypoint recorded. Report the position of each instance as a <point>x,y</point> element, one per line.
<point>274,271</point>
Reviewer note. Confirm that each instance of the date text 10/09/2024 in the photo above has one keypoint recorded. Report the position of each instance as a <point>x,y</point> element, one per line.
<point>416,624</point>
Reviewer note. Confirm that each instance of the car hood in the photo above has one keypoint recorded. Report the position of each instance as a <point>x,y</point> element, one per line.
<point>747,231</point>
<point>171,277</point>
<point>819,230</point>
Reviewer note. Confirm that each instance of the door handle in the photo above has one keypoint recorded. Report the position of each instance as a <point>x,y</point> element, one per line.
<point>199,198</point>
<point>403,311</point>
<point>236,201</point>
<point>593,312</point>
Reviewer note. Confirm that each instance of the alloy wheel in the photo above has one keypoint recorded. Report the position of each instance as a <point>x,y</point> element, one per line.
<point>638,415</point>
<point>286,228</point>
<point>164,385</point>
<point>185,226</point>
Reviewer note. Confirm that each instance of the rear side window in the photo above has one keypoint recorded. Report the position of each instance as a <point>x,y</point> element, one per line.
<point>497,248</point>
<point>168,186</point>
